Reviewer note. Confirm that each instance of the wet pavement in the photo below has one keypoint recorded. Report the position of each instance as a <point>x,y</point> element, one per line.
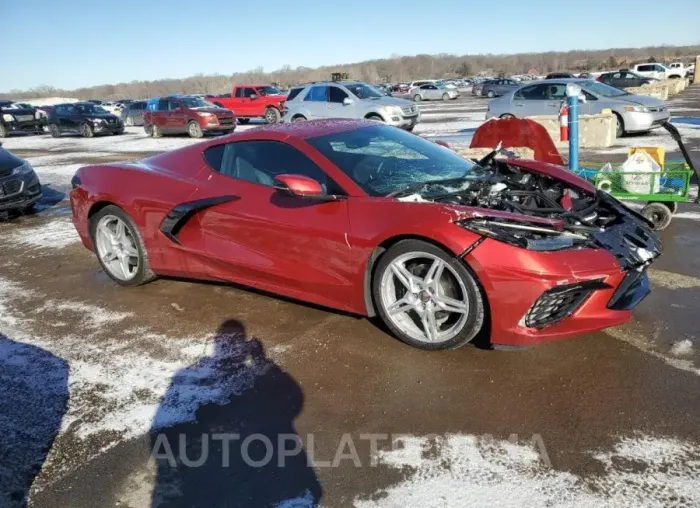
<point>607,419</point>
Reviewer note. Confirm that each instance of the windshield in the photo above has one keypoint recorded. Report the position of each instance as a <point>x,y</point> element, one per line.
<point>363,91</point>
<point>268,90</point>
<point>195,102</point>
<point>91,109</point>
<point>384,160</point>
<point>604,90</point>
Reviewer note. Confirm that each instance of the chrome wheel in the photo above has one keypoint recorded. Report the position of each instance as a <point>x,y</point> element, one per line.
<point>129,122</point>
<point>424,297</point>
<point>116,247</point>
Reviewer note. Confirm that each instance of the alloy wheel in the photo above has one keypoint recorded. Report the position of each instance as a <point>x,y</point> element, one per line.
<point>424,297</point>
<point>116,248</point>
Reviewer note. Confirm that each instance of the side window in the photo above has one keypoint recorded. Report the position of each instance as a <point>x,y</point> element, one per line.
<point>293,93</point>
<point>162,105</point>
<point>261,161</point>
<point>335,94</point>
<point>247,92</point>
<point>316,94</point>
<point>532,93</point>
<point>659,68</point>
<point>557,91</point>
<point>71,110</point>
<point>645,68</point>
<point>60,110</point>
<point>617,75</point>
<point>239,92</point>
<point>425,87</point>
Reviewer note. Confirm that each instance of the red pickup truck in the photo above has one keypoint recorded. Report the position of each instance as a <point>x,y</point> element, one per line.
<point>253,101</point>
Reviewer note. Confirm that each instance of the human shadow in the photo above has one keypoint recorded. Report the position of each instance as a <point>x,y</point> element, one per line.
<point>33,400</point>
<point>230,455</point>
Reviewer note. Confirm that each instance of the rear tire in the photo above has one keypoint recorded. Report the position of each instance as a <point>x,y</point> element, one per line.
<point>272,115</point>
<point>417,98</point>
<point>491,94</point>
<point>144,273</point>
<point>299,118</point>
<point>86,130</point>
<point>53,129</point>
<point>453,285</point>
<point>658,214</point>
<point>156,132</point>
<point>445,97</point>
<point>129,122</point>
<point>506,115</point>
<point>3,131</point>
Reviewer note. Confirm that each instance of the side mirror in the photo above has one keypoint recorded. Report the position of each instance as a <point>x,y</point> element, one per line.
<point>253,96</point>
<point>347,101</point>
<point>302,187</point>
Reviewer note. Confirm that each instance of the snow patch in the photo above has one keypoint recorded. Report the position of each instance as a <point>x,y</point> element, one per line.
<point>56,234</point>
<point>682,348</point>
<point>413,198</point>
<point>464,470</point>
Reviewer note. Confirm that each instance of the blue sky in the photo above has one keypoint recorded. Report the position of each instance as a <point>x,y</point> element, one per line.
<point>73,43</point>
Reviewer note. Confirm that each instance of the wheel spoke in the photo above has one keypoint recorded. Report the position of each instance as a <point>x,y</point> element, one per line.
<point>405,277</point>
<point>434,272</point>
<point>401,305</point>
<point>109,256</point>
<point>450,304</point>
<point>129,248</point>
<point>124,265</point>
<point>430,326</point>
<point>120,231</point>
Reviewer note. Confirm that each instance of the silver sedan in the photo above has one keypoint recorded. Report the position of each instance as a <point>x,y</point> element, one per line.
<point>634,113</point>
<point>432,92</point>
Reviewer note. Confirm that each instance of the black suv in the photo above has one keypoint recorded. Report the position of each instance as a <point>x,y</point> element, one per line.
<point>18,118</point>
<point>19,185</point>
<point>624,79</point>
<point>84,118</point>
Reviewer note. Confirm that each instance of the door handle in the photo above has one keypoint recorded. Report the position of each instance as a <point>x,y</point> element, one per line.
<point>519,105</point>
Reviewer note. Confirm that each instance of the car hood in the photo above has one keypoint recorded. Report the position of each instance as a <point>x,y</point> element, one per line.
<point>17,111</point>
<point>387,101</point>
<point>215,111</point>
<point>643,100</point>
<point>8,161</point>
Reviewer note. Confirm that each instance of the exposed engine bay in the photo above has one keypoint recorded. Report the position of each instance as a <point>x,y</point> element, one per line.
<point>573,216</point>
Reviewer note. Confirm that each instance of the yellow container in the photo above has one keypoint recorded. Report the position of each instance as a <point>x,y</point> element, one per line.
<point>657,153</point>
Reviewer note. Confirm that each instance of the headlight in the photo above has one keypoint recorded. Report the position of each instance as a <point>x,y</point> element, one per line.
<point>529,236</point>
<point>394,110</point>
<point>204,113</point>
<point>638,109</point>
<point>8,118</point>
<point>24,169</point>
<point>96,120</point>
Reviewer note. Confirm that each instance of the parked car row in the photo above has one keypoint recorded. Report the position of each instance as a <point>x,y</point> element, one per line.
<point>634,113</point>
<point>19,117</point>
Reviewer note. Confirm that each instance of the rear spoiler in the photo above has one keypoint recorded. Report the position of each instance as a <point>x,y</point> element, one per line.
<point>677,136</point>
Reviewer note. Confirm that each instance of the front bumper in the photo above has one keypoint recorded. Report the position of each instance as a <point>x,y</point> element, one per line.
<point>404,121</point>
<point>222,125</point>
<point>35,125</point>
<point>642,122</point>
<point>538,297</point>
<point>102,127</point>
<point>18,192</point>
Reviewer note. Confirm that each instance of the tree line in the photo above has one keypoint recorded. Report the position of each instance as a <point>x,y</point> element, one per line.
<point>394,69</point>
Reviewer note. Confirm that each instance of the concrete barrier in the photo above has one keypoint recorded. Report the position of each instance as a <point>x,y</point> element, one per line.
<point>658,91</point>
<point>675,86</point>
<point>523,152</point>
<point>595,131</point>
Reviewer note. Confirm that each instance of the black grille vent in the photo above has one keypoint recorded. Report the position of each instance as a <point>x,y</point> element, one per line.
<point>560,302</point>
<point>12,187</point>
<point>5,173</point>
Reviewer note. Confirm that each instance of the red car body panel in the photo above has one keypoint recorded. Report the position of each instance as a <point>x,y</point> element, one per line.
<point>321,252</point>
<point>245,107</point>
<point>176,121</point>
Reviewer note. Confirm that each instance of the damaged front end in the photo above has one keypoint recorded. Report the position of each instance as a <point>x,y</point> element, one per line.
<point>542,207</point>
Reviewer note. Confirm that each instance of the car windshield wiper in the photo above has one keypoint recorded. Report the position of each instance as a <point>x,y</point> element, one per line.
<point>415,187</point>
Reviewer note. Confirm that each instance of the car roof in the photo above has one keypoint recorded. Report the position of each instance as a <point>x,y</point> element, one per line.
<point>252,85</point>
<point>312,128</point>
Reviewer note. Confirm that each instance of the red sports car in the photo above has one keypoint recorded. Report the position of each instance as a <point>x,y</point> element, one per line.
<point>370,219</point>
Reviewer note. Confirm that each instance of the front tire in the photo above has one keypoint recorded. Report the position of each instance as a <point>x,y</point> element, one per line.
<point>129,122</point>
<point>194,130</point>
<point>491,94</point>
<point>272,115</point>
<point>445,97</point>
<point>299,118</point>
<point>427,298</point>
<point>417,98</point>
<point>620,126</point>
<point>119,247</point>
<point>86,130</point>
<point>3,131</point>
<point>53,129</point>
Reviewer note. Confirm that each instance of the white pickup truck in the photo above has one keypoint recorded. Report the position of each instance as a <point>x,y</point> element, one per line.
<point>660,71</point>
